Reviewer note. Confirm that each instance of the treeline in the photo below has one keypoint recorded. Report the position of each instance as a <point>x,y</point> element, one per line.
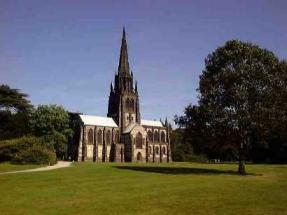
<point>242,109</point>
<point>31,135</point>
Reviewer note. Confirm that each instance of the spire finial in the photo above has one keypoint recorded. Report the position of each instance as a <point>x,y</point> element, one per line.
<point>124,32</point>
<point>112,88</point>
<point>124,61</point>
<point>166,123</point>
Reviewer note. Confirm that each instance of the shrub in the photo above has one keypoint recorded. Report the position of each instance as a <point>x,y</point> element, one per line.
<point>35,155</point>
<point>18,149</point>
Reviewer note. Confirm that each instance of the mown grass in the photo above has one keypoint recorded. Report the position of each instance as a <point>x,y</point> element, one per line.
<point>7,167</point>
<point>176,188</point>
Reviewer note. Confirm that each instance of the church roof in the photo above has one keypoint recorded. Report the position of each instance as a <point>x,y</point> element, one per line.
<point>152,123</point>
<point>130,127</point>
<point>98,120</point>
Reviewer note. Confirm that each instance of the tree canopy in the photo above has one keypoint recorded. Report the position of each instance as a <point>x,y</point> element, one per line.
<point>13,99</point>
<point>52,123</point>
<point>14,112</point>
<point>242,98</point>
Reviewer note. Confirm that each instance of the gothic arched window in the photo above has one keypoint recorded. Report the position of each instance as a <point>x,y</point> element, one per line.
<point>108,137</point>
<point>156,136</point>
<point>132,105</point>
<point>99,137</point>
<point>157,150</point>
<point>163,150</point>
<point>162,136</point>
<point>149,135</point>
<point>149,150</point>
<point>139,141</point>
<point>117,137</point>
<point>128,104</point>
<point>90,136</point>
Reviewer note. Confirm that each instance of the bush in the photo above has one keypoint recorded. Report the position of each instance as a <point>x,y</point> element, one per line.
<point>35,155</point>
<point>9,148</point>
<point>27,149</point>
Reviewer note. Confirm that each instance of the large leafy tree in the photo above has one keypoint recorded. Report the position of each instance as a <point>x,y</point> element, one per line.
<point>52,123</point>
<point>14,112</point>
<point>236,90</point>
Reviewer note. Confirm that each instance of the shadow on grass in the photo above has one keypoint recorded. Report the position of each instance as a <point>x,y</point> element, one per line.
<point>179,170</point>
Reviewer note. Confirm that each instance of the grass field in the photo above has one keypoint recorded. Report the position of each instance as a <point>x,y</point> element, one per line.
<point>177,188</point>
<point>7,167</point>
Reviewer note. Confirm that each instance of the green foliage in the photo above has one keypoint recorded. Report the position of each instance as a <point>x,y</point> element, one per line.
<point>14,113</point>
<point>26,150</point>
<point>12,99</point>
<point>52,123</point>
<point>235,86</point>
<point>182,150</point>
<point>241,93</point>
<point>196,158</point>
<point>9,148</point>
<point>242,111</point>
<point>35,155</point>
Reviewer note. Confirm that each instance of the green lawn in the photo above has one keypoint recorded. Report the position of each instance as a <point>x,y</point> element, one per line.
<point>7,167</point>
<point>177,188</point>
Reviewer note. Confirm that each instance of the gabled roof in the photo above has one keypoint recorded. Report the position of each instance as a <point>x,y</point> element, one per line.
<point>130,127</point>
<point>152,123</point>
<point>98,120</point>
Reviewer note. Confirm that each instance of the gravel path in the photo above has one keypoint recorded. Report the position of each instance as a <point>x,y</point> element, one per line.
<point>58,165</point>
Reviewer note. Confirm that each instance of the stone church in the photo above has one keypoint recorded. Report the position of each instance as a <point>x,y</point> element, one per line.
<point>122,136</point>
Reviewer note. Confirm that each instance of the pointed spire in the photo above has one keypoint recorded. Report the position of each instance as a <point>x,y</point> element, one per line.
<point>166,123</point>
<point>124,61</point>
<point>136,87</point>
<point>112,88</point>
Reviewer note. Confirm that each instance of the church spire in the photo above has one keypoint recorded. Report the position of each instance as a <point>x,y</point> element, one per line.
<point>112,88</point>
<point>124,61</point>
<point>136,87</point>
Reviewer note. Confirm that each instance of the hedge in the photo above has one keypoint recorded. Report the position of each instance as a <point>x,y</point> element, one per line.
<point>18,150</point>
<point>35,155</point>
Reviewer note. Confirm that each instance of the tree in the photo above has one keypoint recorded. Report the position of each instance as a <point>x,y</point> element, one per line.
<point>202,138</point>
<point>235,91</point>
<point>14,112</point>
<point>13,100</point>
<point>52,123</point>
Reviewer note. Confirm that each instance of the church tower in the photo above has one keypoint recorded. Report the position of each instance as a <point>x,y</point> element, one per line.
<point>124,99</point>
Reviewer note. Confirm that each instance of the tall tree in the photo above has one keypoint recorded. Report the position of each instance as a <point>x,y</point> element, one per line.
<point>235,91</point>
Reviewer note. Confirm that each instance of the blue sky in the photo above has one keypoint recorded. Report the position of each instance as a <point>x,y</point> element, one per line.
<point>66,51</point>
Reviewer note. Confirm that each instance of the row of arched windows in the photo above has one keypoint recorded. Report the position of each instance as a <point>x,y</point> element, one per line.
<point>130,104</point>
<point>156,149</point>
<point>155,137</point>
<point>139,140</point>
<point>100,137</point>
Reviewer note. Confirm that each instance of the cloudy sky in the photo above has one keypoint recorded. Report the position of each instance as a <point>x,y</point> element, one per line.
<point>66,51</point>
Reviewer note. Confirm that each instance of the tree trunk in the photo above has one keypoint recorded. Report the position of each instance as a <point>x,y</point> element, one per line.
<point>241,167</point>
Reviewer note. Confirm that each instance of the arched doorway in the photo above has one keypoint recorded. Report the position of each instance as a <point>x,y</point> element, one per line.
<point>139,156</point>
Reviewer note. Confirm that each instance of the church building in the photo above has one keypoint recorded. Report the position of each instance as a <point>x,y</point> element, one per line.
<point>122,136</point>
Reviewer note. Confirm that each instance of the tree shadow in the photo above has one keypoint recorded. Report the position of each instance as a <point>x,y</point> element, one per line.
<point>179,170</point>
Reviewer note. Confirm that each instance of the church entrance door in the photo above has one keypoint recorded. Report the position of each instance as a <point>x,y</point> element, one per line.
<point>139,156</point>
